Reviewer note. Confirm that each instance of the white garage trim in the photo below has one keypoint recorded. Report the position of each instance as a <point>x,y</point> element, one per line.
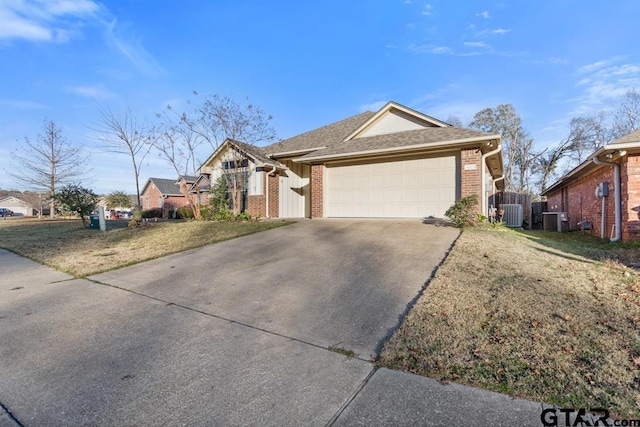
<point>407,188</point>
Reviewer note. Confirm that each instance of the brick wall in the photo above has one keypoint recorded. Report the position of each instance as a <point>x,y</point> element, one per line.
<point>173,201</point>
<point>256,204</point>
<point>471,174</point>
<point>579,201</point>
<point>630,197</point>
<point>317,182</point>
<point>274,195</point>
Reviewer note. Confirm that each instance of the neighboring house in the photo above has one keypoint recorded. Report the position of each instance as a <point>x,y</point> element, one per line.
<point>18,206</point>
<point>396,162</point>
<point>163,194</point>
<point>167,194</point>
<point>618,165</point>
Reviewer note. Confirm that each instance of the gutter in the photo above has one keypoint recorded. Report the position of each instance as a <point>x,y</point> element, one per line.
<point>483,178</point>
<point>616,189</point>
<point>266,198</point>
<point>396,149</point>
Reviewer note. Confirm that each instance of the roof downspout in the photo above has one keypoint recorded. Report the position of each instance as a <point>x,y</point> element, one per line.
<point>616,189</point>
<point>266,198</point>
<point>483,179</point>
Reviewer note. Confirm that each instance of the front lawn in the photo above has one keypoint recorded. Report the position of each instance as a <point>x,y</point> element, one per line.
<point>545,316</point>
<point>67,246</point>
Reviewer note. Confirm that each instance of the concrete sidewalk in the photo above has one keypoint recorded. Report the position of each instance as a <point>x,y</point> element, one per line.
<point>83,352</point>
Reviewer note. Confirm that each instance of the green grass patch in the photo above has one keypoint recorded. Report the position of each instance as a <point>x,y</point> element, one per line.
<point>67,246</point>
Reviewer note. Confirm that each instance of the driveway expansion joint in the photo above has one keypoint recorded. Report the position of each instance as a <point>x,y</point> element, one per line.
<point>215,316</point>
<point>8,413</point>
<point>351,398</point>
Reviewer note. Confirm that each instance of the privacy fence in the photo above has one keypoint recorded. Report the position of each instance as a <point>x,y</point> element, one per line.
<point>531,211</point>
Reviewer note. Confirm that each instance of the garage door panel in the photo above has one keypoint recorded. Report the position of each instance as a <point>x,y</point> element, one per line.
<point>408,188</point>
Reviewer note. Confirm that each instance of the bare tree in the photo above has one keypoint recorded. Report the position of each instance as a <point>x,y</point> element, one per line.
<point>219,118</point>
<point>518,147</point>
<point>123,133</point>
<point>627,117</point>
<point>211,123</point>
<point>585,134</point>
<point>49,161</point>
<point>455,121</point>
<point>177,144</point>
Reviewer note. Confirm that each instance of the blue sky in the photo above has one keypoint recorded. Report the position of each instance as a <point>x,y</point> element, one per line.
<point>306,63</point>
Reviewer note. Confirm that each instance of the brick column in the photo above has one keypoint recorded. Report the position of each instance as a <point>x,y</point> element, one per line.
<point>317,194</point>
<point>274,195</point>
<point>471,174</point>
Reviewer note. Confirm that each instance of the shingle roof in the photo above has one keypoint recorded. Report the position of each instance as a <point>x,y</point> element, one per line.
<point>167,187</point>
<point>628,138</point>
<point>431,135</point>
<point>256,152</point>
<point>321,137</point>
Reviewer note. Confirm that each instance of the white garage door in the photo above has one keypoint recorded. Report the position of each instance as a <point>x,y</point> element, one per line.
<point>414,188</point>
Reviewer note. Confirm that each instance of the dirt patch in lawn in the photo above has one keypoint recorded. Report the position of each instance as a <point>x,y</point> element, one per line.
<point>532,317</point>
<point>67,246</point>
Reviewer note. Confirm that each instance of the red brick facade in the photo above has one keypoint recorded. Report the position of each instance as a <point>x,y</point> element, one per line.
<point>274,195</point>
<point>579,201</point>
<point>471,173</point>
<point>317,193</point>
<point>152,198</point>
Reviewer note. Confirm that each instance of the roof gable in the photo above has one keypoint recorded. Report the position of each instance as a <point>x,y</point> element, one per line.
<point>253,153</point>
<point>168,187</point>
<point>14,201</point>
<point>394,118</point>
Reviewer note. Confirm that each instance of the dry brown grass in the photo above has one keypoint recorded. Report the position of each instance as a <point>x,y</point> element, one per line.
<point>67,246</point>
<point>532,315</point>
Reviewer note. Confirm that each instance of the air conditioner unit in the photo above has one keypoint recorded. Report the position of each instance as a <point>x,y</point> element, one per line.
<point>513,215</point>
<point>555,221</point>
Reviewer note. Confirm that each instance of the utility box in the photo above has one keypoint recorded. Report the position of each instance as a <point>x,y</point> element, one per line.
<point>513,215</point>
<point>555,221</point>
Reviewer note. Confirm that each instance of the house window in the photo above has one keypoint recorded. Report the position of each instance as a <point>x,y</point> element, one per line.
<point>231,164</point>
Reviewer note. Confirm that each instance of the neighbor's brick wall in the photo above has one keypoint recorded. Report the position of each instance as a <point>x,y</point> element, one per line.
<point>583,189</point>
<point>471,179</point>
<point>630,197</point>
<point>317,194</point>
<point>173,201</point>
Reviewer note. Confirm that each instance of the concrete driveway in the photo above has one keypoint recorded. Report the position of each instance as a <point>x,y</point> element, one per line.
<point>340,283</point>
<point>234,333</point>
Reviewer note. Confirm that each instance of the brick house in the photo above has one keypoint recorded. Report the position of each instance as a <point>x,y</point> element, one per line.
<point>167,194</point>
<point>396,162</point>
<point>580,194</point>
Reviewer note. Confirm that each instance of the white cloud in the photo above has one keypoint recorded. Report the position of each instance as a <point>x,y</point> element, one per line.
<point>131,48</point>
<point>603,81</point>
<point>426,10</point>
<point>95,91</point>
<point>43,20</point>
<point>441,50</point>
<point>484,14</point>
<point>501,31</point>
<point>476,44</point>
<point>20,104</point>
<point>373,106</point>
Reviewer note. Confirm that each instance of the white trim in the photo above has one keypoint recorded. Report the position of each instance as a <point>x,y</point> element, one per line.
<point>403,149</point>
<point>294,152</point>
<point>388,107</point>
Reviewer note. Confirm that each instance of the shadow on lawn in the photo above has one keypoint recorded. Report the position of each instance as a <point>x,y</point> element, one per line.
<point>587,246</point>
